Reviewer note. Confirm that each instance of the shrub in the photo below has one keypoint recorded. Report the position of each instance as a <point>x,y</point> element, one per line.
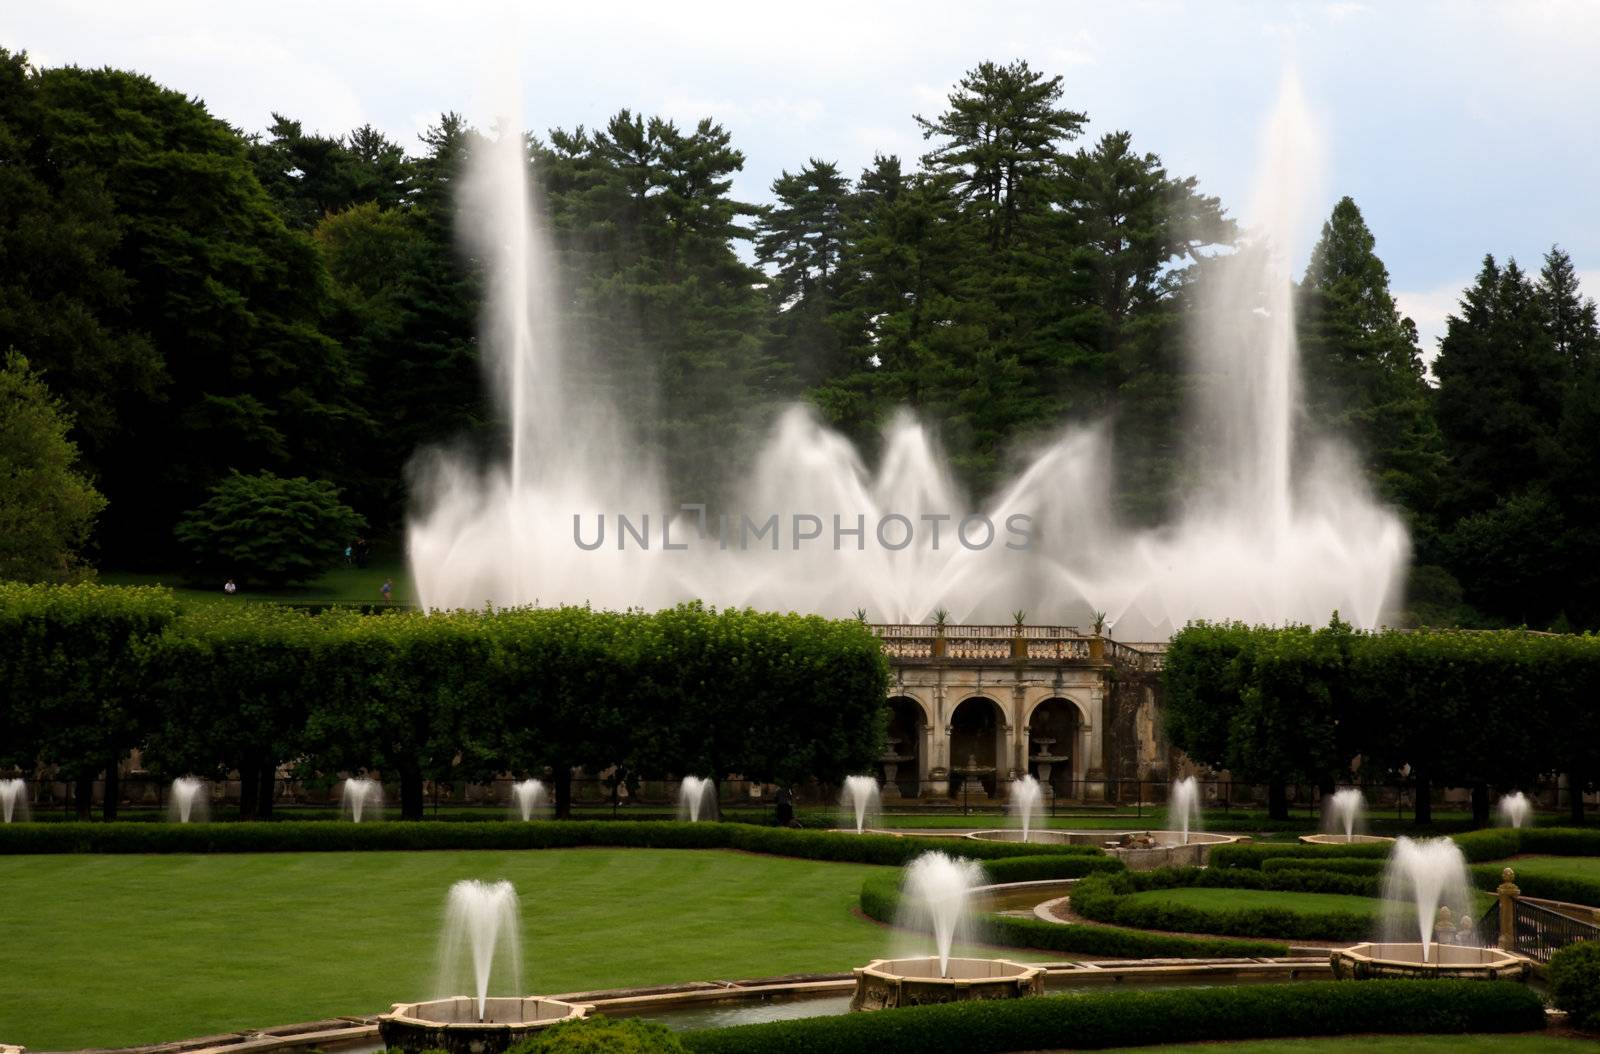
<point>1117,1019</point>
<point>266,528</point>
<point>1042,868</point>
<point>1105,898</point>
<point>1568,888</point>
<point>1274,865</point>
<point>1575,983</point>
<point>1252,856</point>
<point>601,1035</point>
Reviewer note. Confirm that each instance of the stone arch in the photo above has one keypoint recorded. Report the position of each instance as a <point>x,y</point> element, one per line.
<point>906,761</point>
<point>1054,728</point>
<point>977,725</point>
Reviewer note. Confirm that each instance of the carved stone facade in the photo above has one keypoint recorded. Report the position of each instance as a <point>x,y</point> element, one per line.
<point>974,708</point>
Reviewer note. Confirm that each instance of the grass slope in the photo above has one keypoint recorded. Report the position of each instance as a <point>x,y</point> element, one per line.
<point>1585,867</point>
<point>120,950</point>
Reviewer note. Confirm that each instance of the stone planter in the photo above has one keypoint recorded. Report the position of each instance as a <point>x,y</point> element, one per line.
<point>452,1024</point>
<point>1364,962</point>
<point>886,983</point>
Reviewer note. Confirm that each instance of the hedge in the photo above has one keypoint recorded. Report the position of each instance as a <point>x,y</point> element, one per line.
<point>1055,865</point>
<point>1250,855</point>
<point>1575,983</point>
<point>1118,1019</point>
<point>323,836</point>
<point>1104,898</point>
<point>1356,866</point>
<point>1571,889</point>
<point>880,899</point>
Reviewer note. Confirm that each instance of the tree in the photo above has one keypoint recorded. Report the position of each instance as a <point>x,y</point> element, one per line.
<point>47,505</point>
<point>269,529</point>
<point>1363,371</point>
<point>802,239</point>
<point>1001,138</point>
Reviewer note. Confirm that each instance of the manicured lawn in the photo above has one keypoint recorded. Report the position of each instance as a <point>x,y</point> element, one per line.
<point>1248,899</point>
<point>343,585</point>
<point>119,950</point>
<point>1557,866</point>
<point>1518,1044</point>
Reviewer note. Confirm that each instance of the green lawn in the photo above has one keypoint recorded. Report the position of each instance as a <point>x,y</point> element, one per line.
<point>1587,867</point>
<point>343,585</point>
<point>121,950</point>
<point>1476,1044</point>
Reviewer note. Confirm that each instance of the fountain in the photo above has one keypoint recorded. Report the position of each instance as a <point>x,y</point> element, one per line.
<point>938,889</point>
<point>481,941</point>
<point>1024,805</point>
<point>1184,806</point>
<point>696,797</point>
<point>1515,809</point>
<point>891,759</point>
<point>972,776</point>
<point>1345,811</point>
<point>529,799</point>
<point>1271,529</point>
<point>13,800</point>
<point>188,802</point>
<point>360,796</point>
<point>1425,886</point>
<point>861,798</point>
<point>1045,759</point>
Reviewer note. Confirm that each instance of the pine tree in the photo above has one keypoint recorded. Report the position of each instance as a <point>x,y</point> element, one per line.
<point>801,239</point>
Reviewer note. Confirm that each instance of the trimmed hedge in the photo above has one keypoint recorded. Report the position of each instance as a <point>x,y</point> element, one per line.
<point>1104,898</point>
<point>1043,868</point>
<point>1329,867</point>
<point>880,899</point>
<point>1575,983</point>
<point>324,836</point>
<point>602,1035</point>
<point>1550,887</point>
<point>1116,1019</point>
<point>1495,843</point>
<point>1251,856</point>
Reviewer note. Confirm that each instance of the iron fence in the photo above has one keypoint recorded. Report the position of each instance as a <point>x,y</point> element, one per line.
<point>1539,932</point>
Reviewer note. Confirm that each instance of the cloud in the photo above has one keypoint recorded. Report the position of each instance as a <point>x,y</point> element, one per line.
<point>1428,309</point>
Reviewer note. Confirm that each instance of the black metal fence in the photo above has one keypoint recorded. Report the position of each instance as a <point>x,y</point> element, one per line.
<point>1539,932</point>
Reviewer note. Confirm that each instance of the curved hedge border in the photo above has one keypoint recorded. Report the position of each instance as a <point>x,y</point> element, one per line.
<point>1549,887</point>
<point>880,899</point>
<point>1104,898</point>
<point>1478,847</point>
<point>324,836</point>
<point>1117,1019</point>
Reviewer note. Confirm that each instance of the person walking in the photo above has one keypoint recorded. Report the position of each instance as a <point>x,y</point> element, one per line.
<point>387,590</point>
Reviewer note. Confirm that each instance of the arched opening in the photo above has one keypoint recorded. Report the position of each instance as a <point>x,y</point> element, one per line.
<point>902,759</point>
<point>974,745</point>
<point>1052,741</point>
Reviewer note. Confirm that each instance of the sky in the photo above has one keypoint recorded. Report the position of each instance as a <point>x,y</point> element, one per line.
<point>1460,128</point>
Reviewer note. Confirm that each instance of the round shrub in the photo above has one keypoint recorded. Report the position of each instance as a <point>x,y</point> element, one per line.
<point>601,1035</point>
<point>1575,983</point>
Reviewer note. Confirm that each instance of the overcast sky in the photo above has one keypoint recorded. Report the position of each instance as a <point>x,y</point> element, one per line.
<point>1459,128</point>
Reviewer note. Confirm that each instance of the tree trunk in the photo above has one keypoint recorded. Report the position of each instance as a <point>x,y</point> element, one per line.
<point>83,796</point>
<point>412,802</point>
<point>1277,800</point>
<point>1575,798</point>
<point>561,776</point>
<point>108,805</point>
<point>248,785</point>
<point>1424,790</point>
<point>268,783</point>
<point>1480,805</point>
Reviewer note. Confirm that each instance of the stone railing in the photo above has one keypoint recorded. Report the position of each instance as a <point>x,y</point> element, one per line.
<point>912,641</point>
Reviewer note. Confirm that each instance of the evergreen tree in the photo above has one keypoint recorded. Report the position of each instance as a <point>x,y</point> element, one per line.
<point>1363,371</point>
<point>801,239</point>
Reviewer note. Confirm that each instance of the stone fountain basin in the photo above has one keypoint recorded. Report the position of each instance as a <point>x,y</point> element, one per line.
<point>1170,849</point>
<point>453,1025</point>
<point>1339,839</point>
<point>1404,959</point>
<point>886,983</point>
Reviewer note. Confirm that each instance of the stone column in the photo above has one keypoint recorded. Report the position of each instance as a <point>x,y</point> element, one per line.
<point>1508,893</point>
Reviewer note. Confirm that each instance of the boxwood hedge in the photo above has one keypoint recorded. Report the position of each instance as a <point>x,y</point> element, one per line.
<point>323,836</point>
<point>1116,1019</point>
<point>1105,898</point>
<point>880,899</point>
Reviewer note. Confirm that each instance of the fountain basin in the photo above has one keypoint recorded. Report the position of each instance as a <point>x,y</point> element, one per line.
<point>453,1025</point>
<point>1139,850</point>
<point>1366,961</point>
<point>1342,839</point>
<point>884,984</point>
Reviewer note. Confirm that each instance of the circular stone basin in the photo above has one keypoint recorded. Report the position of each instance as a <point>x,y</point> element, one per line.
<point>1365,961</point>
<point>886,983</point>
<point>453,1025</point>
<point>1165,848</point>
<point>1339,839</point>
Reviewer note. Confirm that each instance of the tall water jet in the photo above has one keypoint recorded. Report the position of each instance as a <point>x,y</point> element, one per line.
<point>861,798</point>
<point>1345,811</point>
<point>1515,809</point>
<point>481,940</point>
<point>1271,529</point>
<point>1183,807</point>
<point>1026,794</point>
<point>361,796</point>
<point>938,890</point>
<point>529,799</point>
<point>1420,878</point>
<point>187,802</point>
<point>13,800</point>
<point>697,797</point>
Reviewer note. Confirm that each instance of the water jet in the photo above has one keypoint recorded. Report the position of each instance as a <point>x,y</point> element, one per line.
<point>13,800</point>
<point>697,798</point>
<point>860,797</point>
<point>361,796</point>
<point>188,802</point>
